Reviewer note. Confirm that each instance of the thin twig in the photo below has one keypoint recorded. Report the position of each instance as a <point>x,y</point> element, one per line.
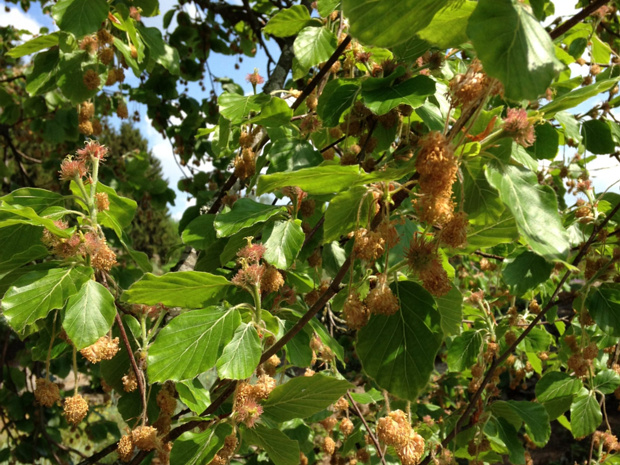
<point>134,365</point>
<point>370,433</point>
<point>583,14</point>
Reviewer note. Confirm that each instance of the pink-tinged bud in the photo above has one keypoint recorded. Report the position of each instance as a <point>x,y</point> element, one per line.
<point>70,169</point>
<point>255,78</point>
<point>92,149</point>
<point>518,127</point>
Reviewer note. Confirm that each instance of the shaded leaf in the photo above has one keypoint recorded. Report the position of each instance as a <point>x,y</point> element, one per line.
<point>188,289</point>
<point>280,449</point>
<point>289,21</point>
<point>199,448</point>
<point>191,344</point>
<point>585,415</point>
<point>603,304</point>
<point>89,314</point>
<point>80,17</point>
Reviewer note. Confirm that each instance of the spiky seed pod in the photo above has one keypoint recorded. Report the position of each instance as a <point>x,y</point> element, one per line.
<point>46,393</point>
<point>86,128</point>
<point>125,448</point>
<point>518,127</point>
<point>591,351</point>
<point>329,423</point>
<point>105,37</point>
<point>104,258</point>
<point>435,209</point>
<point>245,165</point>
<point>97,128</point>
<point>412,450</point>
<point>263,387</point>
<point>369,245</point>
<point>388,232</point>
<point>271,280</point>
<point>341,405</point>
<point>106,55</point>
<point>394,429</point>
<point>346,426</point>
<point>145,438</point>
<point>130,383</point>
<point>435,279</point>
<point>381,300</point>
<point>166,402</point>
<point>89,44</point>
<point>87,110</point>
<point>104,349</point>
<point>454,232</point>
<point>356,313</point>
<point>121,110</point>
<point>91,79</point>
<point>102,201</point>
<point>363,455</point>
<point>420,254</point>
<point>329,446</point>
<point>75,409</point>
<point>111,79</point>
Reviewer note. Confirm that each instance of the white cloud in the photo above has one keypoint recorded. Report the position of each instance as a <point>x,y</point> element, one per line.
<point>20,20</point>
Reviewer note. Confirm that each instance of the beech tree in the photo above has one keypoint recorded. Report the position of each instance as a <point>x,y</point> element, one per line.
<point>399,255</point>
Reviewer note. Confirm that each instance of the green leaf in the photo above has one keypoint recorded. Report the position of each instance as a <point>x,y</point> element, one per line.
<point>603,304</point>
<point>317,180</point>
<point>411,49</point>
<point>303,396</point>
<point>188,289</point>
<point>194,395</point>
<point>80,17</point>
<point>399,351</point>
<point>16,214</point>
<point>513,47</point>
<point>532,414</point>
<point>450,307</point>
<point>480,199</point>
<point>606,381</point>
<point>160,51</point>
<point>449,27</point>
<point>525,271</point>
<point>546,144</point>
<point>42,77</point>
<point>199,448</point>
<point>482,234</point>
<point>275,112</point>
<point>36,293</point>
<point>244,213</point>
<point>345,212</point>
<point>532,206</point>
<point>337,97</point>
<point>585,415</point>
<point>191,344</point>
<point>121,211</point>
<point>508,435</point>
<point>200,233</point>
<point>290,21</point>
<point>597,136</point>
<point>314,45</point>
<point>34,45</point>
<point>37,199</point>
<point>555,390</point>
<point>325,7</point>
<point>23,257</point>
<point>573,98</point>
<point>371,396</point>
<point>89,314</point>
<point>382,99</point>
<point>237,108</point>
<point>464,351</point>
<point>280,449</point>
<point>283,241</point>
<point>292,155</point>
<point>241,355</point>
<point>384,24</point>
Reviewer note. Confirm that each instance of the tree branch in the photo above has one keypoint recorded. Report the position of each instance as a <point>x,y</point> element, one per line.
<point>583,14</point>
<point>370,433</point>
<point>134,365</point>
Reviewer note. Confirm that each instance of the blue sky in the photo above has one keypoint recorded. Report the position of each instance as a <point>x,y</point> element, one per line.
<point>605,170</point>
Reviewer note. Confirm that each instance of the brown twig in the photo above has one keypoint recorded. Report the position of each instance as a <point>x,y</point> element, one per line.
<point>583,14</point>
<point>134,365</point>
<point>370,433</point>
<point>490,255</point>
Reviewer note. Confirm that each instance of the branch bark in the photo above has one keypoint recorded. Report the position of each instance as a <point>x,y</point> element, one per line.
<point>573,21</point>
